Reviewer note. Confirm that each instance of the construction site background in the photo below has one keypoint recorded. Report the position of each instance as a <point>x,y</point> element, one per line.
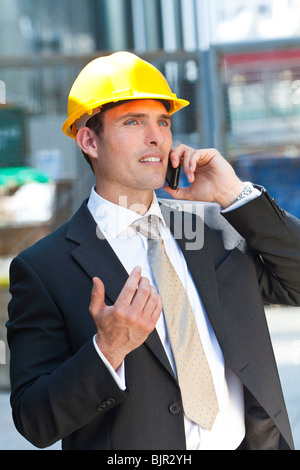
<point>237,62</point>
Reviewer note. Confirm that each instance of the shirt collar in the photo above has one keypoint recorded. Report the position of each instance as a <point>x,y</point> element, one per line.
<point>115,220</point>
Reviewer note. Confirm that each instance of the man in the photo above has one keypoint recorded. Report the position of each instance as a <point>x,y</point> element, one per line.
<point>92,357</point>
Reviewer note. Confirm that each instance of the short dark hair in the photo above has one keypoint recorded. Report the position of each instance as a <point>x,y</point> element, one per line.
<point>95,123</point>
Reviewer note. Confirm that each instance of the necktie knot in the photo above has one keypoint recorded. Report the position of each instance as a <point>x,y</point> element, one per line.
<point>147,226</point>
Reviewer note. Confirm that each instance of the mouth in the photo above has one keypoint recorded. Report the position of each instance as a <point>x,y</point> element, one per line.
<point>151,159</point>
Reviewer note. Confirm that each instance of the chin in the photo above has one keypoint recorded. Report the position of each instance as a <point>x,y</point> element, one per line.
<point>159,183</point>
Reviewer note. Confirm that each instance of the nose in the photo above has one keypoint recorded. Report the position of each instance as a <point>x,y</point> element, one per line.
<point>154,134</point>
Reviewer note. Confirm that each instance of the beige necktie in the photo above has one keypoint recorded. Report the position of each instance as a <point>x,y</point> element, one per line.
<point>194,376</point>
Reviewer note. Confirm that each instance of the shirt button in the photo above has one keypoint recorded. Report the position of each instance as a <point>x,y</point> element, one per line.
<point>174,408</point>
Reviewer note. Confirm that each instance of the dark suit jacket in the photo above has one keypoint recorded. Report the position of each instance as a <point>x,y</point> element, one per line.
<point>61,389</point>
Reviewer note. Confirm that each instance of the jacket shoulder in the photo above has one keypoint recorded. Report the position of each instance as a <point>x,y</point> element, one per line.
<point>68,234</point>
<point>216,227</point>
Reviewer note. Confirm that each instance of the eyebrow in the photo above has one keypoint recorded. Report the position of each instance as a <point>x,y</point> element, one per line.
<point>144,115</point>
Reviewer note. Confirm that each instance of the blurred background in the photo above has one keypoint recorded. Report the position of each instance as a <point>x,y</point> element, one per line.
<point>237,61</point>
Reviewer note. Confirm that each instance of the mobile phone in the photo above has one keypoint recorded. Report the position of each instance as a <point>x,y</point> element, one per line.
<point>172,176</point>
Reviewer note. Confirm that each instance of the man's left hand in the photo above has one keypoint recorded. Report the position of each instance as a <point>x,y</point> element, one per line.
<point>211,177</point>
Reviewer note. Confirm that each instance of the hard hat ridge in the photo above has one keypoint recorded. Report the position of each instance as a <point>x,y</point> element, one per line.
<point>118,77</point>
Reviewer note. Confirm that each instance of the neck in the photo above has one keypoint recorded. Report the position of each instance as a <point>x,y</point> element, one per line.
<point>138,202</point>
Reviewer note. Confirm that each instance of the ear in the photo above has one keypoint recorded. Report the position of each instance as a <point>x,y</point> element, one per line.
<point>86,139</point>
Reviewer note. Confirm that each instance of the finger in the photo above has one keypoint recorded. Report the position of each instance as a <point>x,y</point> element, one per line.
<point>178,154</point>
<point>203,157</point>
<point>186,163</point>
<point>142,295</point>
<point>97,297</point>
<point>146,298</point>
<point>188,160</point>
<point>195,159</point>
<point>158,308</point>
<point>153,302</point>
<point>181,156</point>
<point>175,158</point>
<point>151,311</point>
<point>130,287</point>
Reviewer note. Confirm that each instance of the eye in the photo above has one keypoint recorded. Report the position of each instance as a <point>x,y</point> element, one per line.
<point>164,123</point>
<point>131,122</point>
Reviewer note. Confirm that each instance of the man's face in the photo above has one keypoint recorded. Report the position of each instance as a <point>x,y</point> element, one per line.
<point>133,150</point>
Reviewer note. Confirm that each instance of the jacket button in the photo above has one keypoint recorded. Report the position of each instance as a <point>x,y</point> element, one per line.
<point>106,404</point>
<point>110,401</point>
<point>174,408</point>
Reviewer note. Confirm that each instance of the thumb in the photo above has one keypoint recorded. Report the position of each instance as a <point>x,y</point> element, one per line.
<point>97,297</point>
<point>179,193</point>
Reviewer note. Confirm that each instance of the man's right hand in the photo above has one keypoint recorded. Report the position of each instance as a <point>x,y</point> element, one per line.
<point>124,326</point>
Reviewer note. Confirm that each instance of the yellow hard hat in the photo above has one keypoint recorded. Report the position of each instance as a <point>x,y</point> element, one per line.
<point>117,77</point>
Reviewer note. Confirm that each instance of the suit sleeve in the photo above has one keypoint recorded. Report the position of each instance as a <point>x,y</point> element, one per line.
<point>274,237</point>
<point>54,390</point>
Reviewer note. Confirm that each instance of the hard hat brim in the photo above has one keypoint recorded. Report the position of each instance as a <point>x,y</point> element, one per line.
<point>70,130</point>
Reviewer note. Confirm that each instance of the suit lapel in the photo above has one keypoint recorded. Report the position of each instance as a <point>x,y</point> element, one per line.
<point>94,254</point>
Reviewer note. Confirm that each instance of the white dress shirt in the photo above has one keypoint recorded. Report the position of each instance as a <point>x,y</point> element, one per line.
<point>131,248</point>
